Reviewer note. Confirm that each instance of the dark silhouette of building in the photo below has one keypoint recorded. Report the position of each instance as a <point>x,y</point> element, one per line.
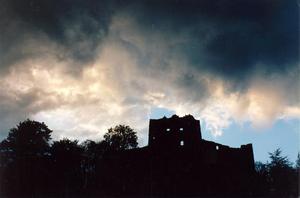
<point>178,162</point>
<point>174,132</point>
<point>185,133</point>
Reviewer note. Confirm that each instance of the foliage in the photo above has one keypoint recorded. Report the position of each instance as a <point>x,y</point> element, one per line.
<point>67,155</point>
<point>24,158</point>
<point>29,138</point>
<point>262,184</point>
<point>280,171</point>
<point>121,137</point>
<point>65,148</point>
<point>279,161</point>
<point>297,164</point>
<point>67,158</point>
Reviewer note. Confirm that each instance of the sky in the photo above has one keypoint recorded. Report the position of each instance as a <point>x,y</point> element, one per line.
<point>85,66</point>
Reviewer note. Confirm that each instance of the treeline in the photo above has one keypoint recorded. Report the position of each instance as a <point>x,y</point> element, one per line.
<point>278,177</point>
<point>31,165</point>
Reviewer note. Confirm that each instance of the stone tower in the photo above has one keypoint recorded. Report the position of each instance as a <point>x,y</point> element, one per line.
<point>174,132</point>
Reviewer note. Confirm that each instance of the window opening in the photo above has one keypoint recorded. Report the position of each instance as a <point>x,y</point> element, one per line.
<point>181,143</point>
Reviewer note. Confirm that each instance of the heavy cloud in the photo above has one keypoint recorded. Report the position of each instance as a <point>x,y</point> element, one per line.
<point>83,66</point>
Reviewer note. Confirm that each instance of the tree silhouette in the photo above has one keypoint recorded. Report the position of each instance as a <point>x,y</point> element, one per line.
<point>297,164</point>
<point>281,174</point>
<point>30,138</point>
<point>297,176</point>
<point>279,161</point>
<point>90,157</point>
<point>25,152</point>
<point>67,159</point>
<point>121,137</point>
<point>262,182</point>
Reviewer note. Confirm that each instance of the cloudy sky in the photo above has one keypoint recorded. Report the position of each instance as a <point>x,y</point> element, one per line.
<point>84,66</point>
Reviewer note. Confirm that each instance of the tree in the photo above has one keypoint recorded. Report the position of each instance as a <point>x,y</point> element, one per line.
<point>121,137</point>
<point>262,181</point>
<point>29,138</point>
<point>25,152</point>
<point>297,164</point>
<point>297,175</point>
<point>281,174</point>
<point>279,161</point>
<point>67,157</point>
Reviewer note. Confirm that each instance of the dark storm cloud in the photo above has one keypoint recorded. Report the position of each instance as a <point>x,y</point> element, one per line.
<point>228,38</point>
<point>225,37</point>
<point>78,26</point>
<point>53,16</point>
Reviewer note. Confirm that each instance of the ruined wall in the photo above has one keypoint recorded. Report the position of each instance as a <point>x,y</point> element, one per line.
<point>174,132</point>
<point>182,172</point>
<point>185,133</point>
<point>166,168</point>
<point>214,154</point>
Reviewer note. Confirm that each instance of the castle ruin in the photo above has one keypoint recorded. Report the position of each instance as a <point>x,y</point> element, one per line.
<point>178,162</point>
<point>185,133</point>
